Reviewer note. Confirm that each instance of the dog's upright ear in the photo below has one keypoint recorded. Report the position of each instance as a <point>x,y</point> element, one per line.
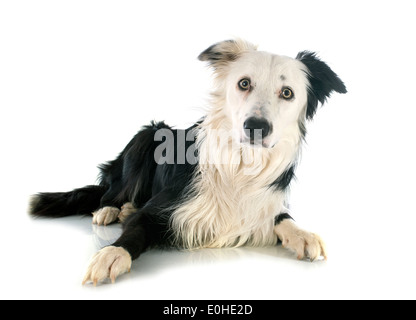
<point>219,55</point>
<point>322,81</point>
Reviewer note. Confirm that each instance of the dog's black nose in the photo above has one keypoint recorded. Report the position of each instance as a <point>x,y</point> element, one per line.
<point>256,128</point>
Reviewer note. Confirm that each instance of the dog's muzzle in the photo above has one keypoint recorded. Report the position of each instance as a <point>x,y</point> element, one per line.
<point>256,130</point>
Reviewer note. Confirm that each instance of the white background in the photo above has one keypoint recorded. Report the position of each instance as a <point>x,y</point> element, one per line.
<point>79,78</point>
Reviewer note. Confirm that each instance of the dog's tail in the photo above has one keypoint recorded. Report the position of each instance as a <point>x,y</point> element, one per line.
<point>61,204</point>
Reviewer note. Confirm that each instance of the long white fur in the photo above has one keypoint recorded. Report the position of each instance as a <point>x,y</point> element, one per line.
<point>231,202</point>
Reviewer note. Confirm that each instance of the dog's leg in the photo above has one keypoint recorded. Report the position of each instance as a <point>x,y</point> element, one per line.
<point>112,261</point>
<point>304,243</point>
<point>109,262</point>
<point>146,228</point>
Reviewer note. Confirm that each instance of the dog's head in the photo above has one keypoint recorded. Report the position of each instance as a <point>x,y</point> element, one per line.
<point>268,97</point>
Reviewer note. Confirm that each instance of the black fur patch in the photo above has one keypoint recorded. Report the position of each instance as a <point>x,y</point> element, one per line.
<point>129,178</point>
<point>280,217</point>
<point>302,129</point>
<point>281,183</point>
<point>322,81</point>
<point>61,204</point>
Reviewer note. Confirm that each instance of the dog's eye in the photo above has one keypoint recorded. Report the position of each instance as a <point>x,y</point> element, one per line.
<point>244,84</point>
<point>287,94</point>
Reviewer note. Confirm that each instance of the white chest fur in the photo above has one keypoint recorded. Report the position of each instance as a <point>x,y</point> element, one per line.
<point>231,204</point>
<point>222,216</point>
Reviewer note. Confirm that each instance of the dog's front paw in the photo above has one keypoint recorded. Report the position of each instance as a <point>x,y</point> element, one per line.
<point>126,210</point>
<point>304,243</point>
<point>109,262</point>
<point>105,215</point>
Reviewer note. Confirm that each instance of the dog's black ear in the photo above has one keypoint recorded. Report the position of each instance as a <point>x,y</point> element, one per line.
<point>322,81</point>
<point>220,54</point>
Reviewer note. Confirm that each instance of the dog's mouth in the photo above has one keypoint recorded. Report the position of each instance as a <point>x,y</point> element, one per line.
<point>259,142</point>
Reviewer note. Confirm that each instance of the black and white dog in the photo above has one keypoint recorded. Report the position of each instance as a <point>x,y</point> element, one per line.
<point>220,183</point>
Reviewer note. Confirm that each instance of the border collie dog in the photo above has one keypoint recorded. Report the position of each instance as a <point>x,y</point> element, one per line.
<point>222,182</point>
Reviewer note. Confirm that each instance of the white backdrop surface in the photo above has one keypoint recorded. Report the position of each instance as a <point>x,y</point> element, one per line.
<point>79,78</point>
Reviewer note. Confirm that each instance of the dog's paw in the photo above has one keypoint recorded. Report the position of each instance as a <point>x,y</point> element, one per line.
<point>304,243</point>
<point>109,262</point>
<point>105,215</point>
<point>126,210</point>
